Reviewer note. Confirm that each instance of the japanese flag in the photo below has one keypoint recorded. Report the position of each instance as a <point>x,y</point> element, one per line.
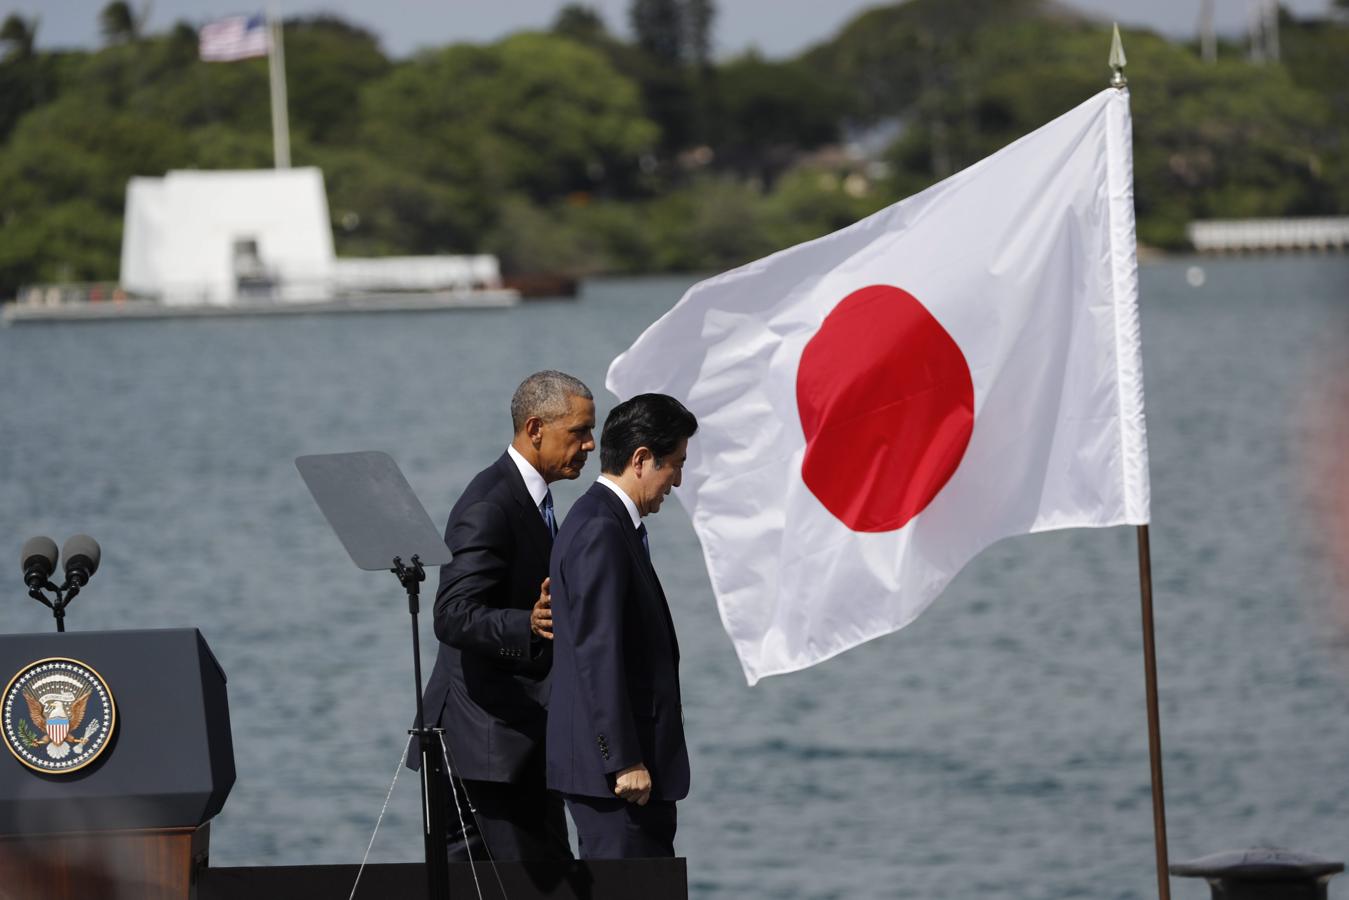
<point>879,405</point>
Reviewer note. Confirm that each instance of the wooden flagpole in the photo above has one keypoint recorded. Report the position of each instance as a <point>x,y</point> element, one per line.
<point>1154,717</point>
<point>1117,80</point>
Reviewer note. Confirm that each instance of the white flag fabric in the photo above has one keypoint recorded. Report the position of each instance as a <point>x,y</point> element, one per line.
<point>880,404</point>
<point>233,38</point>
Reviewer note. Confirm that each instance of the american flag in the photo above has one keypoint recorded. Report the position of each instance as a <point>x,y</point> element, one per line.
<point>237,37</point>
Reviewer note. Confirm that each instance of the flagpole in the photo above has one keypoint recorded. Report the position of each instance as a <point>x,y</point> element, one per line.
<point>1119,82</point>
<point>276,67</point>
<point>1154,716</point>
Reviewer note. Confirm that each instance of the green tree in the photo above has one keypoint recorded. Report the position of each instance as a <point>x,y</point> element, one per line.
<point>380,208</point>
<point>18,36</point>
<point>328,63</point>
<point>712,224</point>
<point>809,204</point>
<point>1314,55</point>
<point>659,27</point>
<point>119,23</point>
<point>531,238</point>
<point>580,22</point>
<point>535,114</point>
<point>63,182</point>
<point>674,39</point>
<point>675,32</point>
<point>158,78</point>
<point>769,112</point>
<point>1221,140</point>
<point>698,18</point>
<point>26,78</point>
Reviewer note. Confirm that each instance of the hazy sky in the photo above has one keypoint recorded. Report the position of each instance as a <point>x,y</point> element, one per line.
<point>776,27</point>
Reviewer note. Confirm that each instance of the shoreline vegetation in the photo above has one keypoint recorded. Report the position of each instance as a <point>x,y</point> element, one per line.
<point>572,151</point>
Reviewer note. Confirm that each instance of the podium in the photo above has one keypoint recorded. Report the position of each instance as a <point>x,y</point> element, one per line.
<point>132,820</point>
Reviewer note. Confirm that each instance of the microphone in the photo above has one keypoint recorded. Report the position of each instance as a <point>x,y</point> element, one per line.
<point>39,560</point>
<point>82,554</point>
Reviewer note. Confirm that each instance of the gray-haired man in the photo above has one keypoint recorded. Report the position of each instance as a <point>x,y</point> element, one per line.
<point>489,687</point>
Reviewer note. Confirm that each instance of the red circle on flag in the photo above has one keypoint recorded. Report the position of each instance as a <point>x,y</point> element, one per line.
<point>887,406</point>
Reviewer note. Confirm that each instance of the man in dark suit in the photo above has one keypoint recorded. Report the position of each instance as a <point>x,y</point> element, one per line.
<point>616,747</point>
<point>489,687</point>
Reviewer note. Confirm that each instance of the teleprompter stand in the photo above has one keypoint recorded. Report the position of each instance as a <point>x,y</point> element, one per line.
<point>381,523</point>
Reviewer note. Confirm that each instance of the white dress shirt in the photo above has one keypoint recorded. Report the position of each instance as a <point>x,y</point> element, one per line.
<point>534,483</point>
<point>627,501</point>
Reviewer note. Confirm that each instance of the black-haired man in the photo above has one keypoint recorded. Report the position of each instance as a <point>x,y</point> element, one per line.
<point>616,746</point>
<point>489,687</point>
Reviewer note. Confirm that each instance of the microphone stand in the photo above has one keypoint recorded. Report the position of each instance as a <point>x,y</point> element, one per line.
<point>58,607</point>
<point>429,742</point>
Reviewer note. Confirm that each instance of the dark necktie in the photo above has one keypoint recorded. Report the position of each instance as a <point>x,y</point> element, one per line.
<point>546,508</point>
<point>646,545</point>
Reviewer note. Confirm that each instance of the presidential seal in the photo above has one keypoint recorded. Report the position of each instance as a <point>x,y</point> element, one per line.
<point>58,715</point>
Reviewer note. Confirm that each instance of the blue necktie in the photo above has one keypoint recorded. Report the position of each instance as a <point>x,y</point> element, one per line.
<point>546,507</point>
<point>646,545</point>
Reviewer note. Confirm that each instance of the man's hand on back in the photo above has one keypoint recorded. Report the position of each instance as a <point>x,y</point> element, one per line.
<point>541,618</point>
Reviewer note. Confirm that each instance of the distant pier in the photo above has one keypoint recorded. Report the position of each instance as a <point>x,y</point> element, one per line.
<point>1325,234</point>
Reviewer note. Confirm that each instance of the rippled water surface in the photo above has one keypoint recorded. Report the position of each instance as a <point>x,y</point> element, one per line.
<point>995,748</point>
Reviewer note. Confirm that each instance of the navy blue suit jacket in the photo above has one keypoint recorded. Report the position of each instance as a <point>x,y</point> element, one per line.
<point>489,687</point>
<point>615,694</point>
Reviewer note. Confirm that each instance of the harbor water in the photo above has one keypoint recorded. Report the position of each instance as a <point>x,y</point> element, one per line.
<point>995,748</point>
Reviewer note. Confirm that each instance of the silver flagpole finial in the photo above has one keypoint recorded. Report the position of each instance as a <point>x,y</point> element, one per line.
<point>1117,61</point>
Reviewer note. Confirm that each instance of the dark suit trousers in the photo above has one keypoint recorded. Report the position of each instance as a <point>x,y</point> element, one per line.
<point>517,822</point>
<point>616,829</point>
